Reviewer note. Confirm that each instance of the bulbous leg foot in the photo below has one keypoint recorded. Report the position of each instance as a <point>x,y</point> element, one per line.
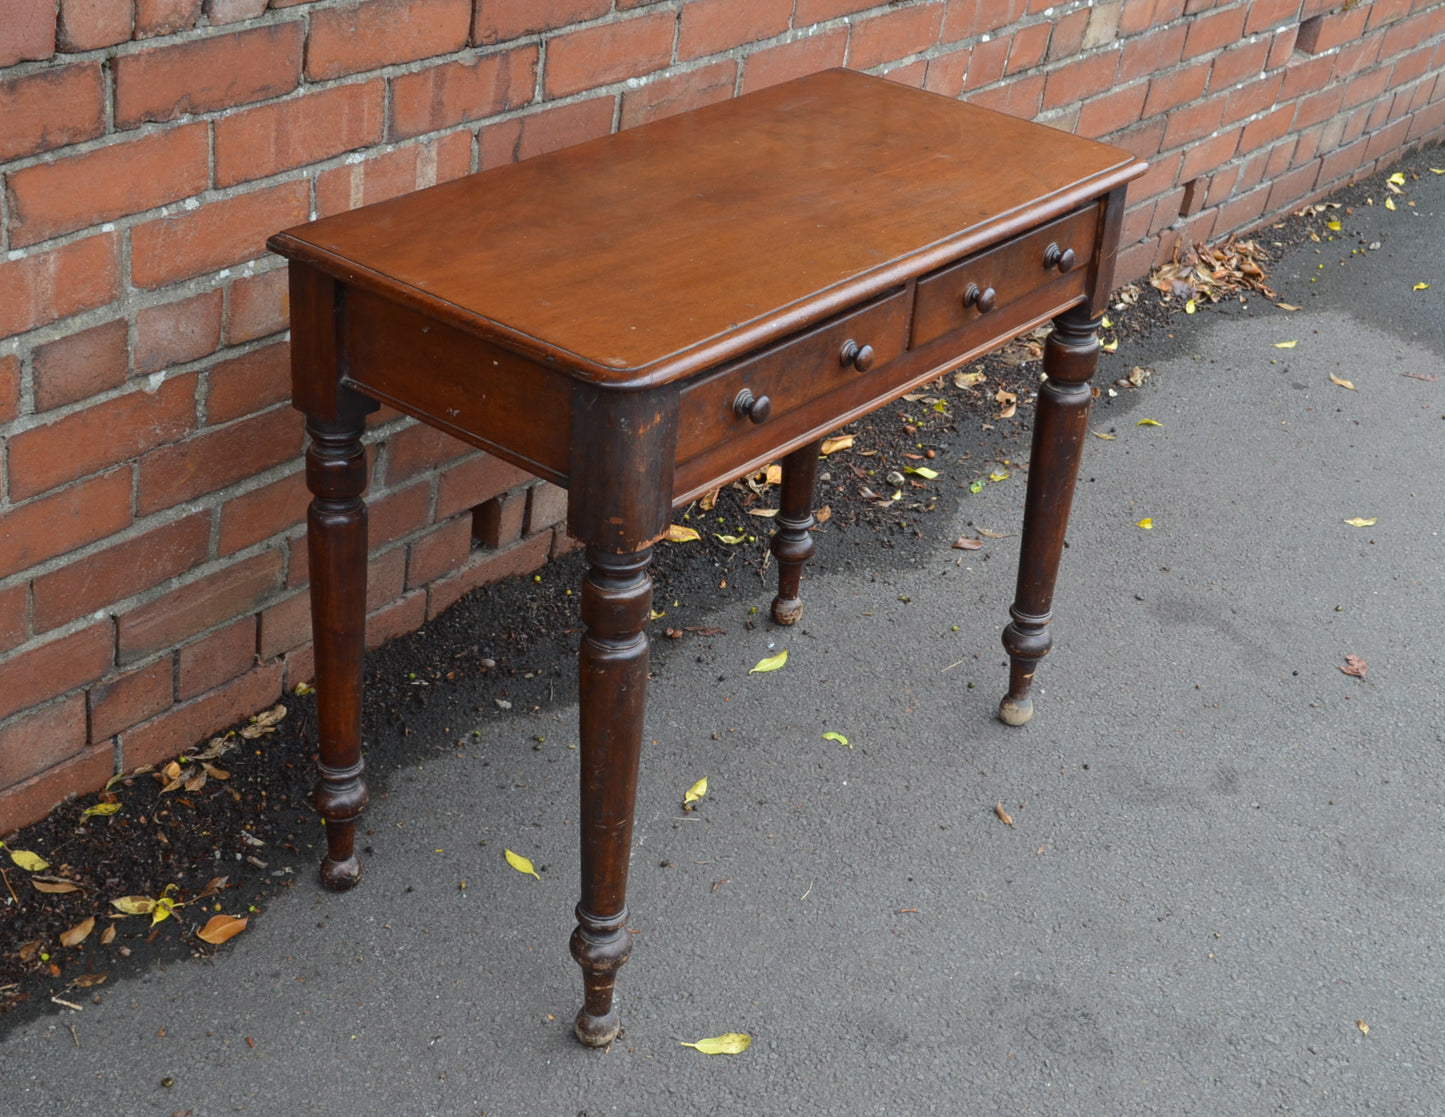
<point>1015,711</point>
<point>339,876</point>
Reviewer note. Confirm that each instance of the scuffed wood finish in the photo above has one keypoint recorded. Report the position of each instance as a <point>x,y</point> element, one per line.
<point>654,313</point>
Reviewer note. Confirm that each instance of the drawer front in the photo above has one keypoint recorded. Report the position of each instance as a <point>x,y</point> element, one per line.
<point>787,376</point>
<point>984,285</point>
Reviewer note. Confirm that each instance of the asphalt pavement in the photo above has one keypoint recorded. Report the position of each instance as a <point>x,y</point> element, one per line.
<point>1221,893</point>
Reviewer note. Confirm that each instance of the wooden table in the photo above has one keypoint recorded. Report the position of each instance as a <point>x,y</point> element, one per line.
<point>649,315</point>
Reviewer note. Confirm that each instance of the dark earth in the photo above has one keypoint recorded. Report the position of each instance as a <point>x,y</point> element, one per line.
<point>231,842</point>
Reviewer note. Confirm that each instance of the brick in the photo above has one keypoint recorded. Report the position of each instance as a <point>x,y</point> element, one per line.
<point>547,130</point>
<point>1085,77</point>
<point>233,11</point>
<point>546,506</point>
<point>1259,134</point>
<point>897,34</point>
<point>608,52</point>
<point>498,522</point>
<point>27,33</point>
<point>1325,32</point>
<point>486,567</point>
<point>51,108</point>
<point>249,383</point>
<point>381,33</point>
<point>1281,48</point>
<point>286,625</point>
<point>92,24</point>
<point>120,701</point>
<point>1237,64</point>
<point>39,673</point>
<point>1305,75</point>
<point>816,11</point>
<point>233,591</point>
<point>9,387</point>
<point>40,529</point>
<point>1112,111</point>
<point>41,287</point>
<point>276,137</point>
<point>1137,17</point>
<point>1387,11</point>
<point>499,20</point>
<point>1193,122</point>
<point>418,448</point>
<point>466,485</point>
<point>36,797</point>
<point>1317,107</point>
<point>215,659</point>
<point>403,616</point>
<point>786,61</point>
<point>475,87</point>
<point>1410,66</point>
<point>262,513</point>
<point>1221,184</point>
<point>398,513</point>
<point>14,624</point>
<point>713,26</point>
<point>257,306</point>
<point>1020,98</point>
<point>189,723</point>
<point>400,171</point>
<point>677,93</point>
<point>105,434</point>
<point>1251,98</point>
<point>562,543</point>
<point>173,333</point>
<point>438,552</point>
<point>1403,36</point>
<point>162,17</point>
<point>42,739</point>
<point>1028,48</point>
<point>1068,34</point>
<point>1103,24</point>
<point>227,232</point>
<point>1292,188</point>
<point>1204,158</point>
<point>1215,31</point>
<point>986,62</point>
<point>79,365</point>
<point>1262,14</point>
<point>1152,54</point>
<point>206,75</point>
<point>128,177</point>
<point>966,18</point>
<point>216,458</point>
<point>1176,88</point>
<point>1387,140</point>
<point>947,73</point>
<point>110,576</point>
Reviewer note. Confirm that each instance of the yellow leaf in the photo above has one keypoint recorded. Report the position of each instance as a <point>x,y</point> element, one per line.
<point>1421,287</point>
<point>1110,346</point>
<point>729,538</point>
<point>1364,1028</point>
<point>676,533</point>
<point>30,862</point>
<point>1437,170</point>
<point>842,740</point>
<point>134,905</point>
<point>1360,521</point>
<point>695,792</point>
<point>967,379</point>
<point>709,500</point>
<point>520,863</point>
<point>772,663</point>
<point>301,690</point>
<point>764,513</point>
<point>1147,523</point>
<point>1189,307</point>
<point>1341,382</point>
<point>1286,306</point>
<point>101,809</point>
<point>220,928</point>
<point>1106,324</point>
<point>733,1043</point>
<point>1333,226</point>
<point>1389,203</point>
<point>76,935</point>
<point>164,908</point>
<point>1397,178</point>
<point>657,614</point>
<point>773,474</point>
<point>1003,815</point>
<point>1285,344</point>
<point>1101,434</point>
<point>1148,423</point>
<point>999,475</point>
<point>922,471</point>
<point>833,445</point>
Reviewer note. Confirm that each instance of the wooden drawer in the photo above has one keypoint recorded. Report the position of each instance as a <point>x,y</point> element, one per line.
<point>789,376</point>
<point>1013,271</point>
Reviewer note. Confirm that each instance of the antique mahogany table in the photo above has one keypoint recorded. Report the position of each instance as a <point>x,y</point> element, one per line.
<point>649,315</point>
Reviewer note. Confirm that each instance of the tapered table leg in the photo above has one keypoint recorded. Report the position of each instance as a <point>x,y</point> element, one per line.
<point>793,542</point>
<point>1070,356</point>
<point>336,544</point>
<point>616,605</point>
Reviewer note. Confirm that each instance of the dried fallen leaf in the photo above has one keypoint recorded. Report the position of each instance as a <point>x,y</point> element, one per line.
<point>695,792</point>
<point>1101,434</point>
<point>301,690</point>
<point>520,863</point>
<point>76,935</point>
<point>967,379</point>
<point>833,445</point>
<point>1361,521</point>
<point>53,885</point>
<point>1148,423</point>
<point>1390,203</point>
<point>732,1043</point>
<point>709,500</point>
<point>1285,344</point>
<point>771,663</point>
<point>1003,815</point>
<point>1008,412</point>
<point>134,905</point>
<point>993,534</point>
<point>842,740</point>
<point>1005,397</point>
<point>823,514</point>
<point>730,539</point>
<point>108,935</point>
<point>88,980</point>
<point>100,809</point>
<point>1341,382</point>
<point>1147,523</point>
<point>1364,1028</point>
<point>922,471</point>
<point>763,513</point>
<point>30,862</point>
<point>221,928</point>
<point>1286,306</point>
<point>1355,666</point>
<point>676,533</point>
<point>964,543</point>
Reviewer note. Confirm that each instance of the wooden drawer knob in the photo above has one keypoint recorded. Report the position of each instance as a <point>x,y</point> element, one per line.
<point>984,299</point>
<point>1063,259</point>
<point>860,357</point>
<point>755,408</point>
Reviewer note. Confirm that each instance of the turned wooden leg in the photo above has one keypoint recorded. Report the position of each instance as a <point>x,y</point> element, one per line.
<point>793,542</point>
<point>336,543</point>
<point>1070,355</point>
<point>616,605</point>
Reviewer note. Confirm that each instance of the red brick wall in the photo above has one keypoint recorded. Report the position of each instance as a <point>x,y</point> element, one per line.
<point>152,570</point>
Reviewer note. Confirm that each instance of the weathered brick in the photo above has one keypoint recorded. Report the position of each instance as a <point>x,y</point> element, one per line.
<point>1259,134</point>
<point>305,129</point>
<point>1203,158</point>
<point>1317,107</point>
<point>233,591</point>
<point>41,287</point>
<point>215,659</point>
<point>546,506</point>
<point>162,17</point>
<point>1193,122</point>
<point>257,306</point>
<point>397,513</point>
<point>1067,37</point>
<point>400,171</point>
<point>1253,97</point>
<point>608,52</point>
<point>816,11</point>
<point>1175,88</point>
<point>112,575</point>
<point>38,673</point>
<point>79,365</point>
<point>1262,14</point>
<point>418,448</point>
<point>1325,32</point>
<point>380,33</point>
<point>499,20</point>
<point>546,130</point>
<point>14,624</point>
<point>498,522</point>
<point>896,34</point>
<point>262,513</point>
<point>1020,97</point>
<point>1085,77</point>
<point>190,723</point>
<point>214,236</point>
<point>1112,111</point>
<point>1292,188</point>
<point>1151,54</point>
<point>85,442</point>
<point>1305,75</point>
<point>1387,11</point>
<point>667,96</point>
<point>119,701</point>
<point>781,63</point>
<point>467,484</point>
<point>438,552</point>
<point>27,34</point>
<point>51,108</point>
<point>216,458</point>
<point>40,529</point>
<point>233,11</point>
<point>967,18</point>
<point>713,26</point>
<point>478,86</point>
<point>36,797</point>
<point>205,75</point>
<point>9,387</point>
<point>486,567</point>
<point>1237,64</point>
<point>92,24</point>
<point>41,739</point>
<point>986,62</point>
<point>946,72</point>
<point>407,614</point>
<point>249,383</point>
<point>173,333</point>
<point>1028,47</point>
